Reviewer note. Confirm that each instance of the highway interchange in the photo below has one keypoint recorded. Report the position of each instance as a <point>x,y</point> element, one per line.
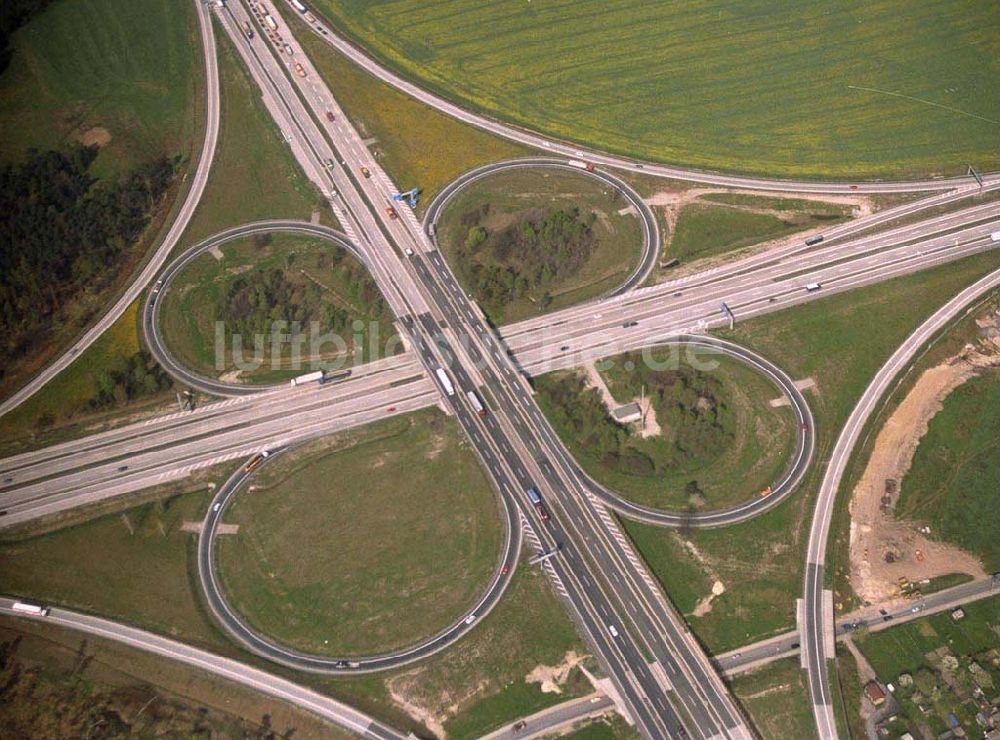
<point>608,590</point>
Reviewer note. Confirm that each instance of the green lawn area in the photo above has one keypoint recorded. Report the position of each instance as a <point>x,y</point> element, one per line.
<point>837,342</point>
<point>777,699</point>
<point>510,198</point>
<point>608,727</point>
<point>254,175</point>
<point>852,88</point>
<point>366,547</point>
<point>720,443</point>
<point>705,230</point>
<point>131,69</point>
<point>952,484</point>
<point>321,286</point>
<point>476,685</point>
<point>417,146</point>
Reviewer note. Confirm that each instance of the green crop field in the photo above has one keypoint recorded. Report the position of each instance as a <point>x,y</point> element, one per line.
<point>510,198</point>
<point>83,66</point>
<point>952,483</point>
<point>849,88</point>
<point>327,289</point>
<point>368,547</point>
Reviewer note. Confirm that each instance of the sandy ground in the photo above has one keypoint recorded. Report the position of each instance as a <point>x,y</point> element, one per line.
<point>875,532</point>
<point>97,135</point>
<point>551,678</point>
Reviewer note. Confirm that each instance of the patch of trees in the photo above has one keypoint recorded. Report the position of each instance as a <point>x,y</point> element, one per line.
<point>63,232</point>
<point>525,258</point>
<point>130,379</point>
<point>688,406</point>
<point>255,301</point>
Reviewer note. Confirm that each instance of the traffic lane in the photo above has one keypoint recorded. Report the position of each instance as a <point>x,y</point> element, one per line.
<point>693,705</point>
<point>226,668</point>
<point>629,651</point>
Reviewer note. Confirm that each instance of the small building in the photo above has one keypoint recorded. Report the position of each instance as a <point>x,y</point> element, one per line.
<point>628,413</point>
<point>874,693</point>
<point>958,614</point>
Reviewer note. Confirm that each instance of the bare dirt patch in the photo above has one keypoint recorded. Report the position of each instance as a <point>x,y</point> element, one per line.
<point>883,549</point>
<point>96,136</point>
<point>552,678</point>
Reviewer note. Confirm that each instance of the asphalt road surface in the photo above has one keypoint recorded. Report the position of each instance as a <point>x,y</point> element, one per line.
<point>227,668</point>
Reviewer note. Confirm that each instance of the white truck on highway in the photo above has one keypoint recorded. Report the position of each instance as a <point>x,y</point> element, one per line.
<point>995,236</point>
<point>445,381</point>
<point>477,405</point>
<point>34,610</point>
<point>581,165</point>
<point>307,378</point>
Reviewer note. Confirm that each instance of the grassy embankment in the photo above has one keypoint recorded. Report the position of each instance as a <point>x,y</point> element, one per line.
<point>952,485</point>
<point>503,203</point>
<point>477,684</point>
<point>776,698</point>
<point>720,441</point>
<point>253,177</point>
<point>63,683</point>
<point>382,573</point>
<point>131,86</point>
<point>249,281</point>
<point>708,85</point>
<point>724,222</point>
<point>840,342</point>
<point>417,146</point>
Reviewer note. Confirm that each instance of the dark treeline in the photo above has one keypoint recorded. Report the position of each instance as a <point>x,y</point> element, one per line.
<point>13,15</point>
<point>525,258</point>
<point>129,379</point>
<point>62,231</point>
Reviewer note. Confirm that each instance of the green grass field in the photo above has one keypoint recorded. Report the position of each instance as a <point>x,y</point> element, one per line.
<point>514,195</point>
<point>472,687</point>
<point>952,484</point>
<point>705,230</point>
<point>777,699</point>
<point>417,146</point>
<point>836,342</point>
<point>128,68</point>
<point>254,175</point>
<point>852,88</point>
<point>191,308</point>
<point>367,547</point>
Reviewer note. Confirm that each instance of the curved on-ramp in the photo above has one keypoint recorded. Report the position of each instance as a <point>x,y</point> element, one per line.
<point>252,640</point>
<point>813,621</point>
<point>151,309</point>
<point>180,223</point>
<point>652,242</point>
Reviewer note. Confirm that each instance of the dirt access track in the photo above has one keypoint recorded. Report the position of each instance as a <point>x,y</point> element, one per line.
<point>875,532</point>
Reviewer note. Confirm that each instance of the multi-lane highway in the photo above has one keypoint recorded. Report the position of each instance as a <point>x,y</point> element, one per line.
<point>447,332</point>
<point>180,222</point>
<point>266,683</point>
